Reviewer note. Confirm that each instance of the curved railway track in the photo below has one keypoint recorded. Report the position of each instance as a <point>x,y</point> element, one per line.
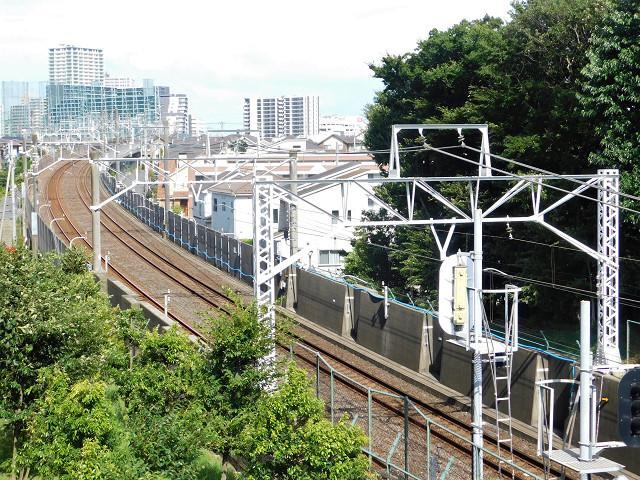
<point>69,215</point>
<point>126,233</point>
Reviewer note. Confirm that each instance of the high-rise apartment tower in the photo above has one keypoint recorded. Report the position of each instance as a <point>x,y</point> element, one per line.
<point>281,116</point>
<point>70,65</point>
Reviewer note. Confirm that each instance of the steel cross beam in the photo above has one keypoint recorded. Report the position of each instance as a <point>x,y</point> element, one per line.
<point>484,169</point>
<point>267,194</point>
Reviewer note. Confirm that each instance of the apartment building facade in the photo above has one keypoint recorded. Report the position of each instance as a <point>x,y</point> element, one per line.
<point>71,65</point>
<point>175,110</point>
<point>276,117</point>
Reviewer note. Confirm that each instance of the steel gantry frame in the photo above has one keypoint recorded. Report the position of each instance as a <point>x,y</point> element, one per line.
<point>268,192</point>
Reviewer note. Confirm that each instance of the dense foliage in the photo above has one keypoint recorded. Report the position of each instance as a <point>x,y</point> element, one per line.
<point>544,82</point>
<point>87,391</point>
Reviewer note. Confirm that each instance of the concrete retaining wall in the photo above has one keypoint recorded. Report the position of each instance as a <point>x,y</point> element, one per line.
<point>321,301</point>
<point>413,339</point>
<point>122,296</point>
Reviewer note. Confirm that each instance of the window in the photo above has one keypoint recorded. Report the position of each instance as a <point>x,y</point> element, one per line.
<point>329,257</point>
<point>335,215</point>
<point>224,206</point>
<point>215,204</point>
<point>275,215</point>
<point>349,215</point>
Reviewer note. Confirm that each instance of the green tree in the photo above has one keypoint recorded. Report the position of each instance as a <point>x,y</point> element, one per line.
<point>47,316</point>
<point>370,259</point>
<point>238,366</point>
<point>437,84</point>
<point>165,390</point>
<point>610,98</point>
<point>521,79</point>
<point>548,43</point>
<point>76,431</point>
<point>89,392</point>
<point>75,260</point>
<point>288,437</point>
<point>611,94</point>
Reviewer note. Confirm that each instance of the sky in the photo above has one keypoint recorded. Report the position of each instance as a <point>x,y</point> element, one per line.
<point>218,53</point>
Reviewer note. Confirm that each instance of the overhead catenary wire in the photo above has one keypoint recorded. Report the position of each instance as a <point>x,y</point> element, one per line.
<point>528,177</point>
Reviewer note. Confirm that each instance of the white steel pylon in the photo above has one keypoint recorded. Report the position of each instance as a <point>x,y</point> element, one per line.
<point>264,255</point>
<point>608,268</point>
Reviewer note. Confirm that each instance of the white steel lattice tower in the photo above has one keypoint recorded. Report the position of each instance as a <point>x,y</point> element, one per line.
<point>608,268</point>
<point>264,255</point>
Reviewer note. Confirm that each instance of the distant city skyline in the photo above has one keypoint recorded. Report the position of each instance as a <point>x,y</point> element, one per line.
<point>219,54</point>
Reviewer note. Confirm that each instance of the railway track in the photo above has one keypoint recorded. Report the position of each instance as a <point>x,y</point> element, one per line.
<point>129,239</point>
<point>358,378</point>
<point>126,237</point>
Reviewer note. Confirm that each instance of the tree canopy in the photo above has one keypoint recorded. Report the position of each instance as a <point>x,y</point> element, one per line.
<point>544,82</point>
<point>88,391</point>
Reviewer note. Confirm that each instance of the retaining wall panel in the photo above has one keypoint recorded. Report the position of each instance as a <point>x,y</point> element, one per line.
<point>320,300</point>
<point>185,240</point>
<point>224,253</point>
<point>218,249</point>
<point>201,235</point>
<point>175,229</point>
<point>234,252</point>
<point>398,337</point>
<point>246,262</point>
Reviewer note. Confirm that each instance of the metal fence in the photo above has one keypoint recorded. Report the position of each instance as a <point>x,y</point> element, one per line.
<point>220,250</point>
<point>394,441</point>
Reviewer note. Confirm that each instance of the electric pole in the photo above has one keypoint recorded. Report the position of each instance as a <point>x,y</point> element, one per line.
<point>95,217</point>
<point>167,199</point>
<point>35,212</point>
<point>292,295</point>
<point>25,192</point>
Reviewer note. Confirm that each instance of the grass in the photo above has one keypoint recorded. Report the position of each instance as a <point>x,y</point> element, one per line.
<point>210,467</point>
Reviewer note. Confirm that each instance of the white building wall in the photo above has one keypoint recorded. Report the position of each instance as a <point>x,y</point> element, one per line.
<point>71,65</point>
<point>350,126</point>
<point>236,216</point>
<point>313,223</point>
<point>222,213</point>
<point>196,127</point>
<point>280,116</point>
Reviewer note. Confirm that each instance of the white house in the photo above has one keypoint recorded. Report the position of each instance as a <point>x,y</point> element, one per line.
<point>326,208</point>
<point>231,204</point>
<point>322,213</point>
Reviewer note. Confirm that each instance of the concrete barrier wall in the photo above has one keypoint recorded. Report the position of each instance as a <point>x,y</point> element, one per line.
<point>246,263</point>
<point>125,298</point>
<point>398,336</point>
<point>415,340</point>
<point>321,301</point>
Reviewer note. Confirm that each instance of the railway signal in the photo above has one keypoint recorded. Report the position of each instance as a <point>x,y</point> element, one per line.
<point>629,408</point>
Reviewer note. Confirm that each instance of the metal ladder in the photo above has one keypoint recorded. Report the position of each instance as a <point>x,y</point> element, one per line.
<point>501,362</point>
